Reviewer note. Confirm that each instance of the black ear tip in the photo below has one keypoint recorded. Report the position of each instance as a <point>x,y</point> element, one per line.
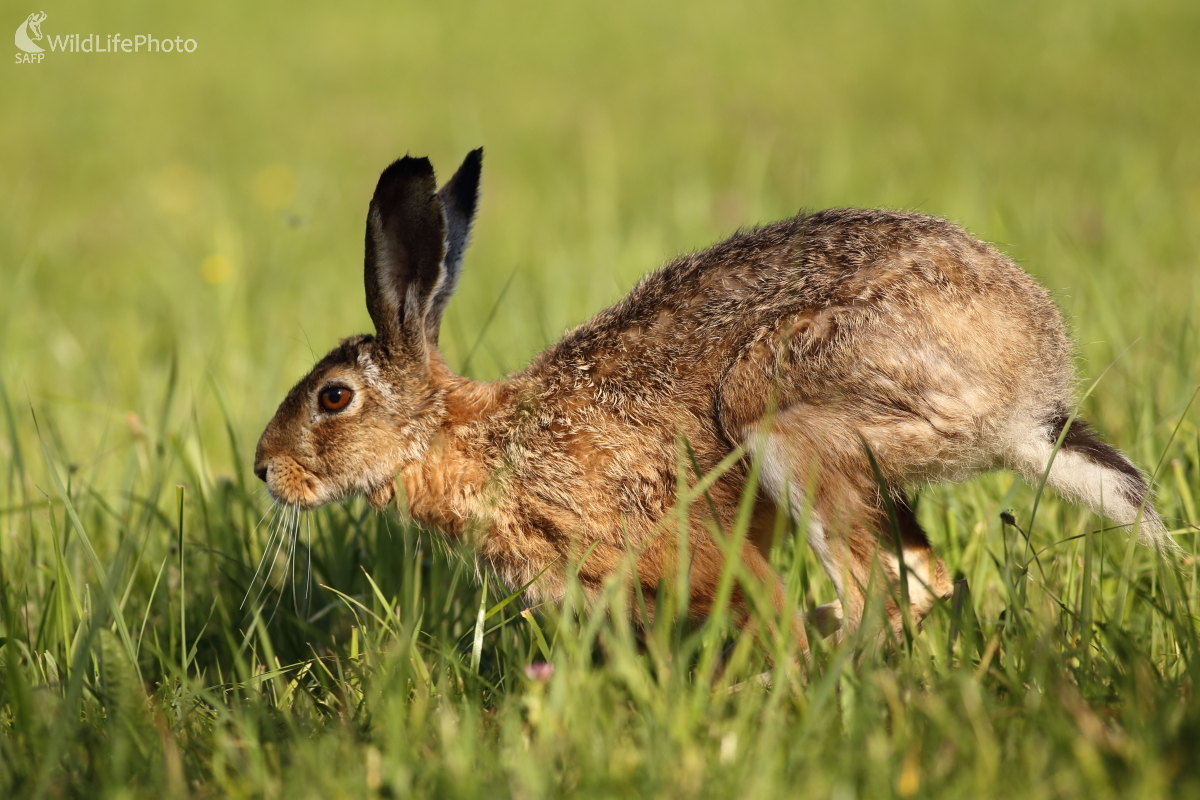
<point>466,180</point>
<point>407,167</point>
<point>406,177</point>
<point>460,195</point>
<point>471,167</point>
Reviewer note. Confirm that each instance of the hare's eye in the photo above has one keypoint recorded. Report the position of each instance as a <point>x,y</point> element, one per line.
<point>334,398</point>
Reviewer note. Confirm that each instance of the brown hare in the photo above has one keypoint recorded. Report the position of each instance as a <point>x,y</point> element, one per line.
<point>814,345</point>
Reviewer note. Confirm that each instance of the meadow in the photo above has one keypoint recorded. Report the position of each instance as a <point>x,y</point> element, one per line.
<point>181,237</point>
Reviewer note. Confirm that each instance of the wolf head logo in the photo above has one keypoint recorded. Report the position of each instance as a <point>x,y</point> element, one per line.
<point>30,31</point>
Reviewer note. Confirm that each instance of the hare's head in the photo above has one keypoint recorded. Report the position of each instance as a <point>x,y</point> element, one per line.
<point>371,405</point>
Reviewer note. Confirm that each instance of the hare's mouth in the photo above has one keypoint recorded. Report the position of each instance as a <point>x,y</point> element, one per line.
<point>291,484</point>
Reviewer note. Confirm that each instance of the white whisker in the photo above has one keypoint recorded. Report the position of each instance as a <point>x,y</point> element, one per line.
<point>284,529</point>
<point>308,571</point>
<point>277,537</point>
<point>250,587</point>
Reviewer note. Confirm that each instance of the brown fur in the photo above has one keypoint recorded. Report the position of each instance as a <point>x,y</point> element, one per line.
<point>806,342</point>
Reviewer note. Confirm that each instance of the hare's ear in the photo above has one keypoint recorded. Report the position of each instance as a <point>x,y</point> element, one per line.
<point>460,198</point>
<point>406,245</point>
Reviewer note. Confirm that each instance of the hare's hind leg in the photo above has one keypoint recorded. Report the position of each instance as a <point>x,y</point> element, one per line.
<point>850,529</point>
<point>925,577</point>
<point>858,548</point>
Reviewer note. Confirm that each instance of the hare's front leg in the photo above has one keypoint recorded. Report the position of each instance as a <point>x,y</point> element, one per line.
<point>707,570</point>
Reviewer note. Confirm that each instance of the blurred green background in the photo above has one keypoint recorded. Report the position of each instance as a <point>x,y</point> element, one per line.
<point>196,220</point>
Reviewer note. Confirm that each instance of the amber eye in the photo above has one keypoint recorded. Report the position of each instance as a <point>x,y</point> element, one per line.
<point>334,398</point>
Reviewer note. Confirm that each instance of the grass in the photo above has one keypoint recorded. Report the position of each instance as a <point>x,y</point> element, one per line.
<point>180,237</point>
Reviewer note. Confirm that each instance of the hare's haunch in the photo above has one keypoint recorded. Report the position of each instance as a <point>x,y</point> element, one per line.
<point>812,345</point>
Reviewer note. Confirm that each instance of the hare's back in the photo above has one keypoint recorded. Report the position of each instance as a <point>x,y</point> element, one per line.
<point>864,315</point>
<point>885,292</point>
<point>906,329</point>
<point>870,262</point>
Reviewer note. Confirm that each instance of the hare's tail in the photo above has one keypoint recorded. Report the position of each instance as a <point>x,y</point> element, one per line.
<point>1087,470</point>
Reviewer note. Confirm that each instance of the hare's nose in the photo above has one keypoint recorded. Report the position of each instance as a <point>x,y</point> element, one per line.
<point>261,471</point>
